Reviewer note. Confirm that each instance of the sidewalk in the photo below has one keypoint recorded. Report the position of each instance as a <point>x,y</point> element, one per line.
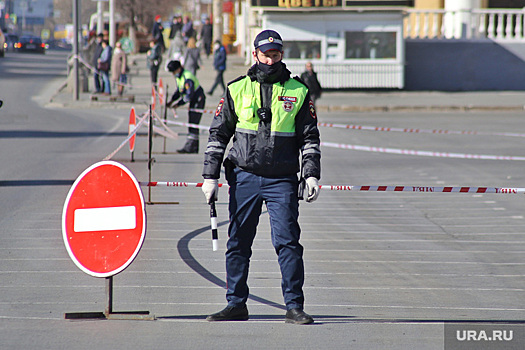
<point>344,101</point>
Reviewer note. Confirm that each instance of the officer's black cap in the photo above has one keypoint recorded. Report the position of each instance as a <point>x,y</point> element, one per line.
<point>173,65</point>
<point>268,40</point>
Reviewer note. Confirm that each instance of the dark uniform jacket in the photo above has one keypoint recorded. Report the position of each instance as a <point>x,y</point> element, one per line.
<point>262,151</point>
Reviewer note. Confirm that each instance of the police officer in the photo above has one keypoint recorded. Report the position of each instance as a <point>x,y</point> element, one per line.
<point>274,128</point>
<point>188,90</point>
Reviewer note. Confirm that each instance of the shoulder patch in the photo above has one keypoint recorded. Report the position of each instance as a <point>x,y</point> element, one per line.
<point>312,109</point>
<point>219,107</point>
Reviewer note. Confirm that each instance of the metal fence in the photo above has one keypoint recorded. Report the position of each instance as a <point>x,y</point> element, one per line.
<point>356,75</point>
<point>498,24</point>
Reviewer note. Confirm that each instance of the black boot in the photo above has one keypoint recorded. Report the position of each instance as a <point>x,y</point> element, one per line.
<point>191,146</point>
<point>230,313</point>
<point>298,316</point>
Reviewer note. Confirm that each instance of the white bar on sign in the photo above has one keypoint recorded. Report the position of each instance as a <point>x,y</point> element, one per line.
<point>105,219</point>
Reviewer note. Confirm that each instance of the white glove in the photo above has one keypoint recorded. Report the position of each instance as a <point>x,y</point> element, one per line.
<point>312,186</point>
<point>210,187</point>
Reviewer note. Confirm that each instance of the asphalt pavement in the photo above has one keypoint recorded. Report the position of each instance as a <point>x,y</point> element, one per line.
<point>345,101</point>
<point>383,270</point>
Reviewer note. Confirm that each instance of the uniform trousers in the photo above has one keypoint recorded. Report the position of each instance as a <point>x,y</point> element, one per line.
<point>247,194</point>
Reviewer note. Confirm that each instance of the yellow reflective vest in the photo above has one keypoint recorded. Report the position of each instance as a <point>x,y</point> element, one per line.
<point>270,148</point>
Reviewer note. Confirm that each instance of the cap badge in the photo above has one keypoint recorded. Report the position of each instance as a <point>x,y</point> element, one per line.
<point>270,39</point>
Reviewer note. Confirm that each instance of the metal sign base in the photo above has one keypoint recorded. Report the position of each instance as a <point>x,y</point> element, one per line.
<point>108,314</point>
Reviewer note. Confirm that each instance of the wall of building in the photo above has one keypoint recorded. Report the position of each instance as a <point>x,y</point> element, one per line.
<point>461,65</point>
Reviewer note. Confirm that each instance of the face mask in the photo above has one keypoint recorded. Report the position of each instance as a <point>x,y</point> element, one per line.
<point>179,74</point>
<point>270,69</point>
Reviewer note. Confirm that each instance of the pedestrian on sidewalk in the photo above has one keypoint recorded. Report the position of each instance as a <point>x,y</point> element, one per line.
<point>176,50</point>
<point>119,68</point>
<point>188,91</point>
<point>219,64</point>
<point>273,124</point>
<point>187,29</point>
<point>176,26</point>
<point>192,57</point>
<point>157,33</point>
<point>104,65</point>
<point>309,76</point>
<point>207,36</point>
<point>153,61</point>
<point>97,76</point>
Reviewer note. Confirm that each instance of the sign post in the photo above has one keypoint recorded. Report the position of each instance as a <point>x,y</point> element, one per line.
<point>104,226</point>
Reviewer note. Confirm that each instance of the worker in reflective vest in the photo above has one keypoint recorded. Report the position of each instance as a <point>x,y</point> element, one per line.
<point>188,90</point>
<point>274,127</point>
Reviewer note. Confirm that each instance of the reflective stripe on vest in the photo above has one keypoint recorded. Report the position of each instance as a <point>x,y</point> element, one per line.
<point>186,75</point>
<point>286,102</point>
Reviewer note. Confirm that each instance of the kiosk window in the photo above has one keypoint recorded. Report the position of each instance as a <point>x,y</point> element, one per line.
<point>370,45</point>
<point>302,49</point>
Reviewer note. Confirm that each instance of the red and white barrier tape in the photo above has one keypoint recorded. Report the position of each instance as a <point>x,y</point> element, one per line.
<point>426,131</point>
<point>175,184</point>
<point>391,129</point>
<point>210,111</point>
<point>420,153</point>
<point>167,132</point>
<point>426,189</point>
<point>95,70</point>
<point>142,119</point>
<point>196,126</point>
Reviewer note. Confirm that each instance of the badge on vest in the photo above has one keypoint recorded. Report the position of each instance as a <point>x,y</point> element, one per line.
<point>288,102</point>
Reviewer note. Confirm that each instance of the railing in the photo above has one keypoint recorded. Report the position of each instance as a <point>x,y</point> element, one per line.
<point>497,24</point>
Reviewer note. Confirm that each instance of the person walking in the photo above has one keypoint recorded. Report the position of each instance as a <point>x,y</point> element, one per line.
<point>157,33</point>
<point>153,61</point>
<point>219,64</point>
<point>192,57</point>
<point>104,65</point>
<point>187,29</point>
<point>175,27</point>
<point>189,91</point>
<point>119,68</point>
<point>177,47</point>
<point>207,36</point>
<point>97,76</point>
<point>309,76</point>
<point>274,128</point>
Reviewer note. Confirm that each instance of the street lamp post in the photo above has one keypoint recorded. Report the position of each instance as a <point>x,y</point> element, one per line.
<point>76,7</point>
<point>217,20</point>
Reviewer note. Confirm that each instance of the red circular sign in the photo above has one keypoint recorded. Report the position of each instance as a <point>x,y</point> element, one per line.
<point>104,219</point>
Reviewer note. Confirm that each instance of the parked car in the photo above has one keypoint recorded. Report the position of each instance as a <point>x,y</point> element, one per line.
<point>2,43</point>
<point>30,44</point>
<point>10,40</point>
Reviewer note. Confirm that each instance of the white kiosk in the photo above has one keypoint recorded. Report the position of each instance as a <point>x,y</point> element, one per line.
<point>350,46</point>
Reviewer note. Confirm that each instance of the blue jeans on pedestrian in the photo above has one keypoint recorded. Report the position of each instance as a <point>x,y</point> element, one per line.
<point>247,194</point>
<point>96,79</point>
<point>107,84</point>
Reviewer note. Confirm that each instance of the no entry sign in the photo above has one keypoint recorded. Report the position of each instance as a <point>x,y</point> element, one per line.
<point>104,219</point>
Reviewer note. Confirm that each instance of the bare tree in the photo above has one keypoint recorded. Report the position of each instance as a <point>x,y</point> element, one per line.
<point>144,12</point>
